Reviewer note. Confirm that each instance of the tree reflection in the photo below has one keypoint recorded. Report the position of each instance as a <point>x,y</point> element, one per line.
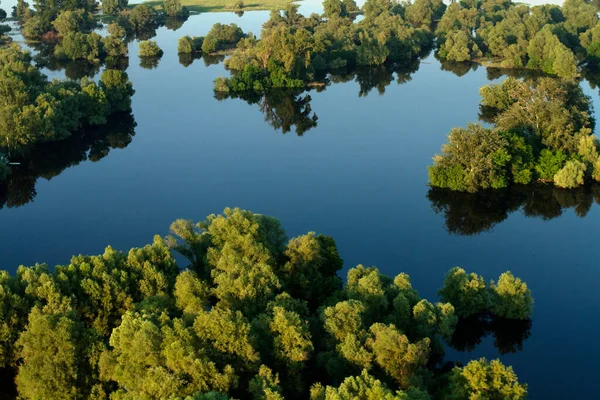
<point>287,109</point>
<point>283,109</point>
<point>509,334</point>
<point>149,62</point>
<point>51,159</point>
<point>473,213</point>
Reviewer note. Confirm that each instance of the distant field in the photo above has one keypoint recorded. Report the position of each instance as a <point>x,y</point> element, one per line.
<point>201,6</point>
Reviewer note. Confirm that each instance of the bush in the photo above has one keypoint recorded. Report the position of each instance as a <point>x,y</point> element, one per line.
<point>236,5</point>
<point>571,175</point>
<point>174,8</point>
<point>474,158</point>
<point>549,163</point>
<point>80,46</point>
<point>187,44</point>
<point>149,48</point>
<point>221,36</point>
<point>511,298</point>
<point>466,292</point>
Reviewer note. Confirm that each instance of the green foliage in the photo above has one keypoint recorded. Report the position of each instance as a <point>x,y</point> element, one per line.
<point>221,36</point>
<point>425,12</point>
<point>80,46</point>
<point>466,292</point>
<point>53,356</point>
<point>484,380</point>
<point>36,110</point>
<point>134,326</point>
<point>459,46</point>
<point>72,21</point>
<point>236,5</point>
<point>511,298</point>
<point>549,163</point>
<point>571,175</point>
<point>143,16</point>
<point>474,158</point>
<point>334,8</point>
<point>546,52</point>
<point>149,48</point>
<point>539,125</point>
<point>113,7</point>
<point>174,8</point>
<point>188,45</point>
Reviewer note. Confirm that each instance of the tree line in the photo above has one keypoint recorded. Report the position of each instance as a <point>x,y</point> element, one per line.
<point>254,315</point>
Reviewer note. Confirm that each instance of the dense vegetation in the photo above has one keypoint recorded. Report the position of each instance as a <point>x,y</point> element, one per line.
<point>253,316</point>
<point>35,110</point>
<point>549,38</point>
<point>543,130</point>
<point>294,49</point>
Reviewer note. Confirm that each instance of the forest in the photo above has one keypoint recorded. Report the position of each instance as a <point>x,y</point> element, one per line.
<point>252,315</point>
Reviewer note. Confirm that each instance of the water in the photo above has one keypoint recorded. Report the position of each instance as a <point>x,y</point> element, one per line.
<point>359,175</point>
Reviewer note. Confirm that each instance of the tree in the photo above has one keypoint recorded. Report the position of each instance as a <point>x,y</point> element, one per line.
<point>80,46</point>
<point>334,8</point>
<point>466,292</point>
<point>143,16</point>
<point>113,7</point>
<point>149,48</point>
<point>398,357</point>
<point>423,13</point>
<point>54,358</point>
<point>483,379</point>
<point>511,298</point>
<point>72,21</point>
<point>474,158</point>
<point>459,47</point>
<point>571,175</point>
<point>174,8</point>
<point>118,89</point>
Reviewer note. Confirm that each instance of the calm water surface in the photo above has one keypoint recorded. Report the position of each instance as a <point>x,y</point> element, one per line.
<point>359,175</point>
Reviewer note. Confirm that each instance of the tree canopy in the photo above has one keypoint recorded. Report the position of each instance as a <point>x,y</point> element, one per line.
<point>254,315</point>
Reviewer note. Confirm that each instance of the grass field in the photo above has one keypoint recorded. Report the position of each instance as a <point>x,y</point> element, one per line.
<point>202,6</point>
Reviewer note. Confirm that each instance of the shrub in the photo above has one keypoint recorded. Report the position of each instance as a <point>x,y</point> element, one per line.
<point>571,175</point>
<point>187,44</point>
<point>511,298</point>
<point>149,48</point>
<point>236,5</point>
<point>549,163</point>
<point>466,292</point>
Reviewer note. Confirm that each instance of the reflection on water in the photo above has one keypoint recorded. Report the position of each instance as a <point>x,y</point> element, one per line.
<point>509,334</point>
<point>50,159</point>
<point>473,213</point>
<point>287,109</point>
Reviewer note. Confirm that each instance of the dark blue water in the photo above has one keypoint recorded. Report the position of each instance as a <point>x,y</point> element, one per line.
<point>359,175</point>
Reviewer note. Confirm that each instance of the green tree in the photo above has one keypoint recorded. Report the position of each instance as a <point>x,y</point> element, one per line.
<point>400,359</point>
<point>174,8</point>
<point>73,21</point>
<point>54,358</point>
<point>466,292</point>
<point>571,175</point>
<point>118,89</point>
<point>484,380</point>
<point>113,7</point>
<point>474,158</point>
<point>149,48</point>
<point>334,8</point>
<point>511,298</point>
